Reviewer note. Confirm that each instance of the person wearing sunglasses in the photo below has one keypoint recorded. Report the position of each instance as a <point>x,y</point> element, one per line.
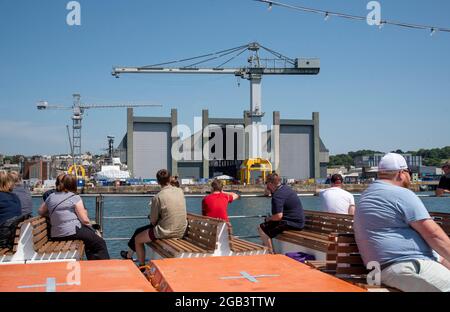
<point>394,229</point>
<point>444,183</point>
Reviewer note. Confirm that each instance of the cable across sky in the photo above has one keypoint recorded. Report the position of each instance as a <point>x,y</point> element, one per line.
<point>327,14</point>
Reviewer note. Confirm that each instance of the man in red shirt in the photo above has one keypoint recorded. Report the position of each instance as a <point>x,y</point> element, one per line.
<point>215,204</point>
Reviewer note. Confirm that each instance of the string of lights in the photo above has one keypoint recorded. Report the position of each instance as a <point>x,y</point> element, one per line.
<point>328,14</point>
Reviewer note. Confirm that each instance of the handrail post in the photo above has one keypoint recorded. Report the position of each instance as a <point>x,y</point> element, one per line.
<point>99,211</point>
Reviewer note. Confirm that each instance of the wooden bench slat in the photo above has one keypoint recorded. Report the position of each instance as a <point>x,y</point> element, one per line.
<point>160,249</point>
<point>39,229</point>
<point>347,249</point>
<point>37,246</point>
<point>189,246</point>
<point>356,259</point>
<point>206,228</point>
<point>351,270</point>
<point>36,221</point>
<point>304,235</point>
<point>49,246</point>
<point>66,246</point>
<point>59,246</point>
<point>39,237</point>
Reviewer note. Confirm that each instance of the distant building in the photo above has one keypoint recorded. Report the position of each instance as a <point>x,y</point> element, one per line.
<point>368,161</point>
<point>37,170</point>
<point>297,148</point>
<point>8,167</point>
<point>429,172</point>
<point>336,170</point>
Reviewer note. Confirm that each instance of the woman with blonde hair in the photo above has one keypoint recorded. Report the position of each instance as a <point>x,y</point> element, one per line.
<point>10,206</point>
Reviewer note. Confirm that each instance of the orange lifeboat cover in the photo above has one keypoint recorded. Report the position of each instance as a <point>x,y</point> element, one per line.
<point>86,276</point>
<point>263,273</point>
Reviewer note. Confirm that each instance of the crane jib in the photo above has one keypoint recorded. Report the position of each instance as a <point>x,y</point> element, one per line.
<point>229,71</point>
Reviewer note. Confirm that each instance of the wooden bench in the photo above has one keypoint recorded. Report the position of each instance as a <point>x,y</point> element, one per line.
<point>443,219</point>
<point>204,237</point>
<point>33,245</point>
<point>318,237</point>
<point>350,266</point>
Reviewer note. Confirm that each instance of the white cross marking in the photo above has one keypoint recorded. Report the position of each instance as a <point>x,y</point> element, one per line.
<point>50,285</point>
<point>249,277</point>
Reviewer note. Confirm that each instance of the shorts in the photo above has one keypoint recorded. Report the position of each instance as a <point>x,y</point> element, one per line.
<point>151,234</point>
<point>273,228</point>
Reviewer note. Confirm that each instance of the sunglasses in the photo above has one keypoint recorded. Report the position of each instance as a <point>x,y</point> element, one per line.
<point>408,171</point>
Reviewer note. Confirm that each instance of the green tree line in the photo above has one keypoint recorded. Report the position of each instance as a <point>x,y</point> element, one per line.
<point>431,157</point>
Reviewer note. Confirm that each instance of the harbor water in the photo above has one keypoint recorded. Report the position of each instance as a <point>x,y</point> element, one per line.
<point>129,206</point>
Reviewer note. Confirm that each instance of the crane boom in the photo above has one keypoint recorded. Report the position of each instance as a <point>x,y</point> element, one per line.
<point>256,68</point>
<point>312,68</point>
<point>119,106</point>
<point>77,116</point>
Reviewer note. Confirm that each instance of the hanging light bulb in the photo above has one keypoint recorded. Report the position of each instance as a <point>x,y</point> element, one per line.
<point>270,6</point>
<point>327,16</point>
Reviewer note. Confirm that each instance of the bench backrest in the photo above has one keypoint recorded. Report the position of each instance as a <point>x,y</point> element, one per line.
<point>443,219</point>
<point>348,258</point>
<point>40,234</point>
<point>328,223</point>
<point>202,231</point>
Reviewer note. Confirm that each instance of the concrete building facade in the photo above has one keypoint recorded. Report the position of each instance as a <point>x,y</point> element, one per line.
<point>295,148</point>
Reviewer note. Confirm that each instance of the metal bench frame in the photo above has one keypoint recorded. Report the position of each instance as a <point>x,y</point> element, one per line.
<point>33,245</point>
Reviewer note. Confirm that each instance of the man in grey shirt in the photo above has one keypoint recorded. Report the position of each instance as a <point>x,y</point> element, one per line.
<point>23,193</point>
<point>393,228</point>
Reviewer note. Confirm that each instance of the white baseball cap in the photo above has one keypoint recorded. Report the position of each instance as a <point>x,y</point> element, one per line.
<point>392,162</point>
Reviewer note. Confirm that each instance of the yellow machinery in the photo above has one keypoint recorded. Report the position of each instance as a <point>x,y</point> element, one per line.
<point>77,170</point>
<point>254,164</point>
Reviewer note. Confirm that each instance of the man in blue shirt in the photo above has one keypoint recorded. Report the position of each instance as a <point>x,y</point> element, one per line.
<point>393,227</point>
<point>287,211</point>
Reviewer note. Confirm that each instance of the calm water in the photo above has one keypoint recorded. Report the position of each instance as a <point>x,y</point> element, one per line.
<point>138,206</point>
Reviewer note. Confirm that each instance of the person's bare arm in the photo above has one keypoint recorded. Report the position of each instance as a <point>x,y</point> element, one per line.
<point>435,237</point>
<point>82,213</point>
<point>351,209</point>
<point>441,192</point>
<point>234,195</point>
<point>275,217</point>
<point>43,210</point>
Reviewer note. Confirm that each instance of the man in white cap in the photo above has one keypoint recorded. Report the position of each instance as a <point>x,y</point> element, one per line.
<point>393,228</point>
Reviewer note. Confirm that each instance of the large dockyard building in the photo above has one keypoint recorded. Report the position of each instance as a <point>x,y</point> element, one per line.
<point>297,151</point>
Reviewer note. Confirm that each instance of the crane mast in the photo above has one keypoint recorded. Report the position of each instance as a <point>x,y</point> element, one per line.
<point>256,69</point>
<point>78,110</point>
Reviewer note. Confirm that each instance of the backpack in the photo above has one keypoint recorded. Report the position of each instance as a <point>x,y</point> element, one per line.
<point>8,231</point>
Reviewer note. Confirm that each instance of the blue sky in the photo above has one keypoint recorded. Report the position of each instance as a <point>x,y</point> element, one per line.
<point>378,89</point>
